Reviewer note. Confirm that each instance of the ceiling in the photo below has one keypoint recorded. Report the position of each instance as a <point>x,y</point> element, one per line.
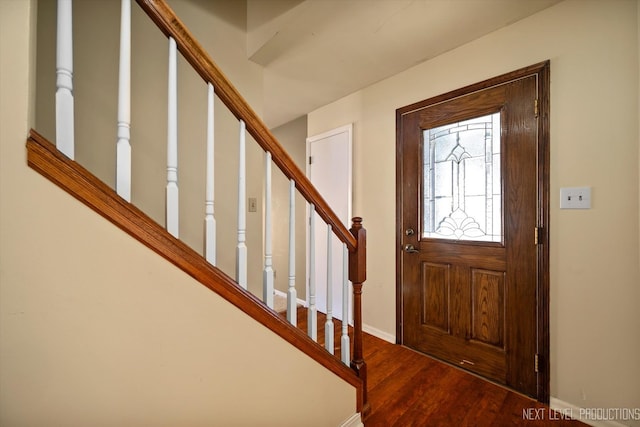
<point>317,51</point>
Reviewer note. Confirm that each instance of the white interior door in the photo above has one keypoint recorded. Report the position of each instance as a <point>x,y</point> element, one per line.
<point>329,169</point>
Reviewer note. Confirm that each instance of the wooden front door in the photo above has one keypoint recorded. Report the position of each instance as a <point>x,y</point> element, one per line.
<point>471,206</point>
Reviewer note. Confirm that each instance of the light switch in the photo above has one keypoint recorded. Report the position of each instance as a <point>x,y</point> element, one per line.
<point>575,198</point>
<point>253,204</point>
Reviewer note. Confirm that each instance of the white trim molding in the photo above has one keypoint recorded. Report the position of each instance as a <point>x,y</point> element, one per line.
<point>576,412</point>
<point>354,420</point>
<point>379,333</point>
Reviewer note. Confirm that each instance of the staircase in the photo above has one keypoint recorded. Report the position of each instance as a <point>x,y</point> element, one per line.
<point>56,162</point>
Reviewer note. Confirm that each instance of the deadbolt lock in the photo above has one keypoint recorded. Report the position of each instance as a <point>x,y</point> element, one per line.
<point>409,232</point>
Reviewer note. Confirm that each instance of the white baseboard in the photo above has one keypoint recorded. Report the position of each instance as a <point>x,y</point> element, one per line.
<point>284,295</point>
<point>353,421</point>
<point>380,334</point>
<point>575,412</point>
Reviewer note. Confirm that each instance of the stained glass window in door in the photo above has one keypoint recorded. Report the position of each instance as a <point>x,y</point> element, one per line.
<point>462,197</point>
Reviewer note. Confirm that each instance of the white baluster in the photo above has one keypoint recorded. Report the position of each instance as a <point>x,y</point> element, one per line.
<point>344,341</point>
<point>267,278</point>
<point>312,313</point>
<point>172,143</point>
<point>241,250</point>
<point>291,293</point>
<point>209,218</point>
<point>328,326</point>
<point>123,146</point>
<point>64,80</point>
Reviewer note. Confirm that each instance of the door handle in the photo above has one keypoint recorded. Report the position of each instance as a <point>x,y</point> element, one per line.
<point>410,249</point>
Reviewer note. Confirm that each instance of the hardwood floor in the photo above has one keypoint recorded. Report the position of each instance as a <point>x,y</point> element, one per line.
<point>407,388</point>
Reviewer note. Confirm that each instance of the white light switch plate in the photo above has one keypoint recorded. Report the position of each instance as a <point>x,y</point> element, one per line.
<point>253,204</point>
<point>575,198</point>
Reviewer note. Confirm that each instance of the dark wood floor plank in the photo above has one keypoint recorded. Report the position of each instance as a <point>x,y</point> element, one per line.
<point>391,393</point>
<point>413,405</point>
<point>437,407</point>
<point>388,364</point>
<point>488,403</point>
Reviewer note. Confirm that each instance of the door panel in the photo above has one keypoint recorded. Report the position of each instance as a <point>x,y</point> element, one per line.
<point>469,194</point>
<point>488,307</point>
<point>435,295</point>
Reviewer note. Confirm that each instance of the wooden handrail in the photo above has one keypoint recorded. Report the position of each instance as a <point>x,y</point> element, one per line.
<point>169,23</point>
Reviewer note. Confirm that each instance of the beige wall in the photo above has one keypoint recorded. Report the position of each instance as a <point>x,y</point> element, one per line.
<point>595,278</point>
<point>292,136</point>
<point>220,27</point>
<point>95,329</point>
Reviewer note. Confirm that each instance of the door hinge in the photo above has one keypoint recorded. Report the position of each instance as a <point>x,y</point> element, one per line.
<point>536,235</point>
<point>310,160</point>
<point>535,107</point>
<point>536,365</point>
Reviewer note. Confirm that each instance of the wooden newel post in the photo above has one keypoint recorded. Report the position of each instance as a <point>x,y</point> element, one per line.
<point>357,276</point>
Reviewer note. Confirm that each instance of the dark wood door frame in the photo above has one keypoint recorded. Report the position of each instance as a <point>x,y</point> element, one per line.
<point>542,73</point>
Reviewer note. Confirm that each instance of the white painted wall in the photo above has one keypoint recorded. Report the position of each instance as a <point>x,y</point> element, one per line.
<point>595,275</point>
<point>97,330</point>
